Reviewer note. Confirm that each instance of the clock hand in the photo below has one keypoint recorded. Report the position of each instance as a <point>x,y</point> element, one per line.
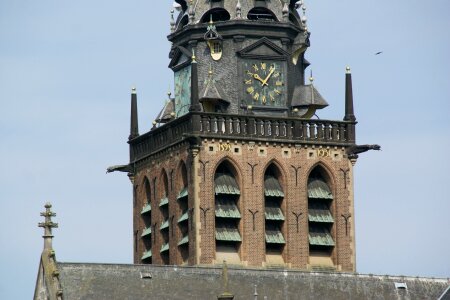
<point>264,82</point>
<point>256,76</point>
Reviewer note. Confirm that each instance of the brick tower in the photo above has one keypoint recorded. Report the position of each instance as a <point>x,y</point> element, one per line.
<point>237,166</point>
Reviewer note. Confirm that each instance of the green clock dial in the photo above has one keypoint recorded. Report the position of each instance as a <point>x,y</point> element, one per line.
<point>182,91</point>
<point>264,83</point>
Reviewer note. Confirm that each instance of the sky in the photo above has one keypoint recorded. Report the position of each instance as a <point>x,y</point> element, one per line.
<point>66,72</point>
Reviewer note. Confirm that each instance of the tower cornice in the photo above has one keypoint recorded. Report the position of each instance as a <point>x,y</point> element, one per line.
<point>233,28</point>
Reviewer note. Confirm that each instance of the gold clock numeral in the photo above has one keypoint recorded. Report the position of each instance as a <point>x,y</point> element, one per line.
<point>255,67</point>
<point>263,99</point>
<point>248,81</point>
<point>277,92</point>
<point>249,73</point>
<point>272,98</point>
<point>256,97</point>
<point>263,65</point>
<point>250,90</point>
<point>276,75</point>
<point>279,83</point>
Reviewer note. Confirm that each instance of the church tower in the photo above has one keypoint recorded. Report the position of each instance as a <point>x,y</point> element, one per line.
<point>237,166</point>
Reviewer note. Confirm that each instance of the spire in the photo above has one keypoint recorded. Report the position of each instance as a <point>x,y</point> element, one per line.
<point>134,130</point>
<point>349,113</point>
<point>195,104</point>
<point>48,225</point>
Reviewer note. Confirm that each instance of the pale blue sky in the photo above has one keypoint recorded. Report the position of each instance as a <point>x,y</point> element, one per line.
<point>66,69</point>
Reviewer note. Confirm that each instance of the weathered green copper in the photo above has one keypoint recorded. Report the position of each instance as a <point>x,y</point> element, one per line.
<point>272,187</point>
<point>227,234</point>
<point>184,240</point>
<point>318,189</point>
<point>274,237</point>
<point>226,208</point>
<point>274,213</point>
<point>164,225</point>
<point>147,254</point>
<point>164,247</point>
<point>146,231</point>
<point>184,217</point>
<point>147,208</point>
<point>183,193</point>
<point>182,91</point>
<point>164,201</point>
<point>226,184</point>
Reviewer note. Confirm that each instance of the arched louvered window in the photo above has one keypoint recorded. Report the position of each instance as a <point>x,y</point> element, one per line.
<point>261,14</point>
<point>320,219</point>
<point>216,15</point>
<point>274,216</point>
<point>183,220</point>
<point>165,224</point>
<point>227,214</point>
<point>146,215</point>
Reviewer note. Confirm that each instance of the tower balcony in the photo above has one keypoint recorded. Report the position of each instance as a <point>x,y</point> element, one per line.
<point>246,127</point>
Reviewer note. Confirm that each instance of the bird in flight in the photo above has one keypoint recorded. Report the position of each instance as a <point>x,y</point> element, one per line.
<point>378,53</point>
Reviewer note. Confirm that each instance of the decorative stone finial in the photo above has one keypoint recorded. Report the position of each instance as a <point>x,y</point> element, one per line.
<point>238,10</point>
<point>347,70</point>
<point>191,12</point>
<point>285,12</point>
<point>133,90</point>
<point>194,61</point>
<point>172,21</point>
<point>48,225</point>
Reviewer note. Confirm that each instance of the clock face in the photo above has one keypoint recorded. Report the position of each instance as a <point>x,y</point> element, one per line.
<point>264,83</point>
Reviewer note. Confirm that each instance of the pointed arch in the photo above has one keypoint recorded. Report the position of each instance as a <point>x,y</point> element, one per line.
<point>146,216</point>
<point>320,216</point>
<point>164,211</point>
<point>325,171</point>
<point>274,213</point>
<point>183,208</point>
<point>234,167</point>
<point>227,192</point>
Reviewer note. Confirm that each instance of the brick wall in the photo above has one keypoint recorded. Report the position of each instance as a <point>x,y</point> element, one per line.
<point>242,156</point>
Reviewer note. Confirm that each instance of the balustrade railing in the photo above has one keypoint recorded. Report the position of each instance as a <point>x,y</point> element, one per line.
<point>268,128</point>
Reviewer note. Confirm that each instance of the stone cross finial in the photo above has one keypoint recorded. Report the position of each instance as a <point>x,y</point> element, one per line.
<point>48,225</point>
<point>226,295</point>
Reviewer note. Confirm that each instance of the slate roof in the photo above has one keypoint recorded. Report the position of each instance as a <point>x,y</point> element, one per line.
<point>134,282</point>
<point>306,95</point>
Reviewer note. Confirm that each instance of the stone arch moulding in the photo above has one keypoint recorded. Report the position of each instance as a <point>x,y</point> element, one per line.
<point>235,166</point>
<point>218,14</point>
<point>280,167</point>
<point>164,187</point>
<point>329,172</point>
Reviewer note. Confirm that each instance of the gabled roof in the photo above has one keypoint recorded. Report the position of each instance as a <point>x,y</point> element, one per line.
<point>264,48</point>
<point>134,282</point>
